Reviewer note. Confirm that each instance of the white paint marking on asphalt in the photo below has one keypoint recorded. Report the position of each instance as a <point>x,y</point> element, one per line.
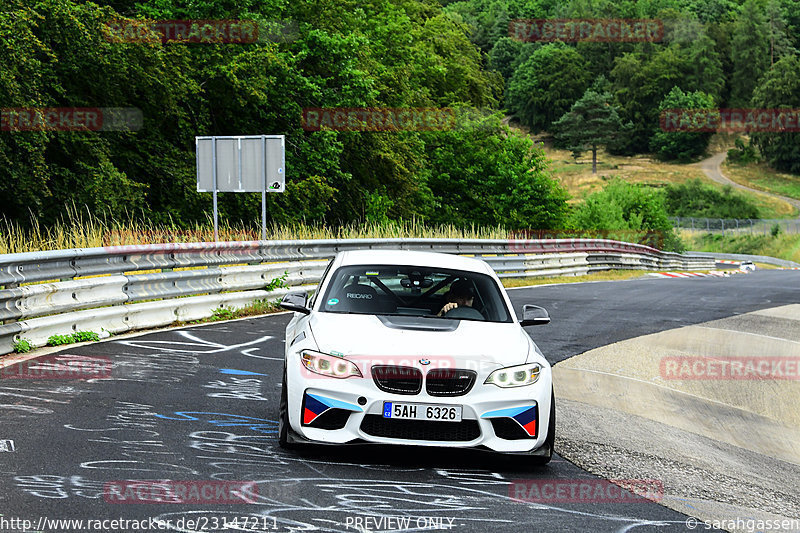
<point>7,446</point>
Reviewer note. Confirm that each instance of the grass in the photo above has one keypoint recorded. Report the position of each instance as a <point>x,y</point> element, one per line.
<point>762,177</point>
<point>257,307</point>
<point>783,246</point>
<point>579,181</point>
<point>85,230</point>
<point>608,275</point>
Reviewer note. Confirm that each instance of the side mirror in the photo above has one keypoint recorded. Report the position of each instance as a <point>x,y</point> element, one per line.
<point>296,301</point>
<point>533,315</point>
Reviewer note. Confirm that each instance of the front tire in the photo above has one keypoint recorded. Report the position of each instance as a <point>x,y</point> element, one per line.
<point>283,417</point>
<point>549,441</point>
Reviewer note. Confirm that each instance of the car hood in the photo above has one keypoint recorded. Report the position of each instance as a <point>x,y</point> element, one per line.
<point>396,339</point>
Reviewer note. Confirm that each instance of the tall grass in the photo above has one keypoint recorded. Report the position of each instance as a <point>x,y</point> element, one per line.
<point>82,229</point>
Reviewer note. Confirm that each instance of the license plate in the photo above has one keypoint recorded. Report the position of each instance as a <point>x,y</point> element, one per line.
<point>422,411</point>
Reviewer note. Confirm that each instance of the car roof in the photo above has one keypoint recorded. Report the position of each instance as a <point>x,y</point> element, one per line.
<point>413,258</point>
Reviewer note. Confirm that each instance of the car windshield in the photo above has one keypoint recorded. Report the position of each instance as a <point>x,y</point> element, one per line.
<point>415,291</point>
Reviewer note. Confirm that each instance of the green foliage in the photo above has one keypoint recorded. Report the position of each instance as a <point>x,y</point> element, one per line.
<point>544,87</point>
<point>640,83</point>
<point>503,56</point>
<point>775,230</point>
<point>696,199</point>
<point>490,178</point>
<point>780,87</point>
<point>277,283</point>
<point>78,336</point>
<point>22,345</point>
<point>626,206</point>
<point>591,122</point>
<point>85,336</point>
<point>742,153</point>
<point>680,145</point>
<point>749,52</point>
<point>221,313</point>
<point>58,340</point>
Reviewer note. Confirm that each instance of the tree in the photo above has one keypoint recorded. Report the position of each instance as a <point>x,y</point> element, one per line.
<point>780,87</point>
<point>749,52</point>
<point>503,55</point>
<point>682,145</point>
<point>779,43</point>
<point>592,121</point>
<point>546,85</point>
<point>640,83</point>
<point>494,178</point>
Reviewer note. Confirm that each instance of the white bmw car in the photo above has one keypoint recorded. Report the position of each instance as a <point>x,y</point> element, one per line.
<point>415,348</point>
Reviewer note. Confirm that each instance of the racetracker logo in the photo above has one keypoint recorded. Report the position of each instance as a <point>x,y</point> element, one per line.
<point>70,367</point>
<point>741,120</point>
<point>21,119</point>
<point>586,490</point>
<point>730,368</point>
<point>576,30</point>
<point>191,492</point>
<point>200,31</point>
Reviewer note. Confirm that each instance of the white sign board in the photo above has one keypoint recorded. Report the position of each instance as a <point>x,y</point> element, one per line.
<point>248,163</point>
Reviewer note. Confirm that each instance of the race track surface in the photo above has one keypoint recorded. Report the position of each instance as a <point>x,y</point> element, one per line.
<point>201,404</point>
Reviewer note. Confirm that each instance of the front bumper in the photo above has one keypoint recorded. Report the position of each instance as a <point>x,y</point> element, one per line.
<point>348,411</point>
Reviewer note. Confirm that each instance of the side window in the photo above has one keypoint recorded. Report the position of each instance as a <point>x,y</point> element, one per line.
<point>321,281</point>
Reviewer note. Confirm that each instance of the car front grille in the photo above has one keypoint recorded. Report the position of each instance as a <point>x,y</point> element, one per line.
<point>397,379</point>
<point>449,381</point>
<point>378,426</point>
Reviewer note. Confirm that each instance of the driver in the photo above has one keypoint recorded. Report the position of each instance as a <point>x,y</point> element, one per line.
<point>460,294</point>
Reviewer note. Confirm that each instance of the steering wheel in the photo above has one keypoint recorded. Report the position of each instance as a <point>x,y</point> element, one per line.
<point>464,312</point>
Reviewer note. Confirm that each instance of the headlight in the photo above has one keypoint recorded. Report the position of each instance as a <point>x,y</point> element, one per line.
<point>515,376</point>
<point>329,365</point>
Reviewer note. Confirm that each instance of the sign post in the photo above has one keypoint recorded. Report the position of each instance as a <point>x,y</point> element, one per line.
<point>243,163</point>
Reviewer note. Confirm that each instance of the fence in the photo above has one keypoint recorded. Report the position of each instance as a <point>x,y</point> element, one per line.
<point>737,226</point>
<point>123,288</point>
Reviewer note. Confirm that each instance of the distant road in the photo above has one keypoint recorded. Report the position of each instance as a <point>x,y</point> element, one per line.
<point>711,167</point>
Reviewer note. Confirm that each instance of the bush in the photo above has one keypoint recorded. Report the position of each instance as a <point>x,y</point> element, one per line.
<point>742,154</point>
<point>22,346</point>
<point>58,340</point>
<point>626,206</point>
<point>776,230</point>
<point>85,336</point>
<point>696,199</point>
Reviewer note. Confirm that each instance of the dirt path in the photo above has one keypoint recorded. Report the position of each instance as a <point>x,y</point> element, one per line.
<point>711,168</point>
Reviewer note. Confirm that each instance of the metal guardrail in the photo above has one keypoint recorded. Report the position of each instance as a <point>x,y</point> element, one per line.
<point>783,263</point>
<point>123,288</point>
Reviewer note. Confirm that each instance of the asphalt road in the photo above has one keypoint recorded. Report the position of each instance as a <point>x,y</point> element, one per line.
<point>200,404</point>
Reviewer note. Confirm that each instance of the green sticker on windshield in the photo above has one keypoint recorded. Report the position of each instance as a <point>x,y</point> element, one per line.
<point>371,273</point>
<point>333,301</point>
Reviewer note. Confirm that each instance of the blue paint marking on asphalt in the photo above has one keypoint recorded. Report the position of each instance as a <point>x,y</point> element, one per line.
<point>261,425</point>
<point>234,372</point>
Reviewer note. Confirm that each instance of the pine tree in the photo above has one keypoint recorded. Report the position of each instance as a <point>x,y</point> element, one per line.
<point>749,52</point>
<point>591,122</point>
